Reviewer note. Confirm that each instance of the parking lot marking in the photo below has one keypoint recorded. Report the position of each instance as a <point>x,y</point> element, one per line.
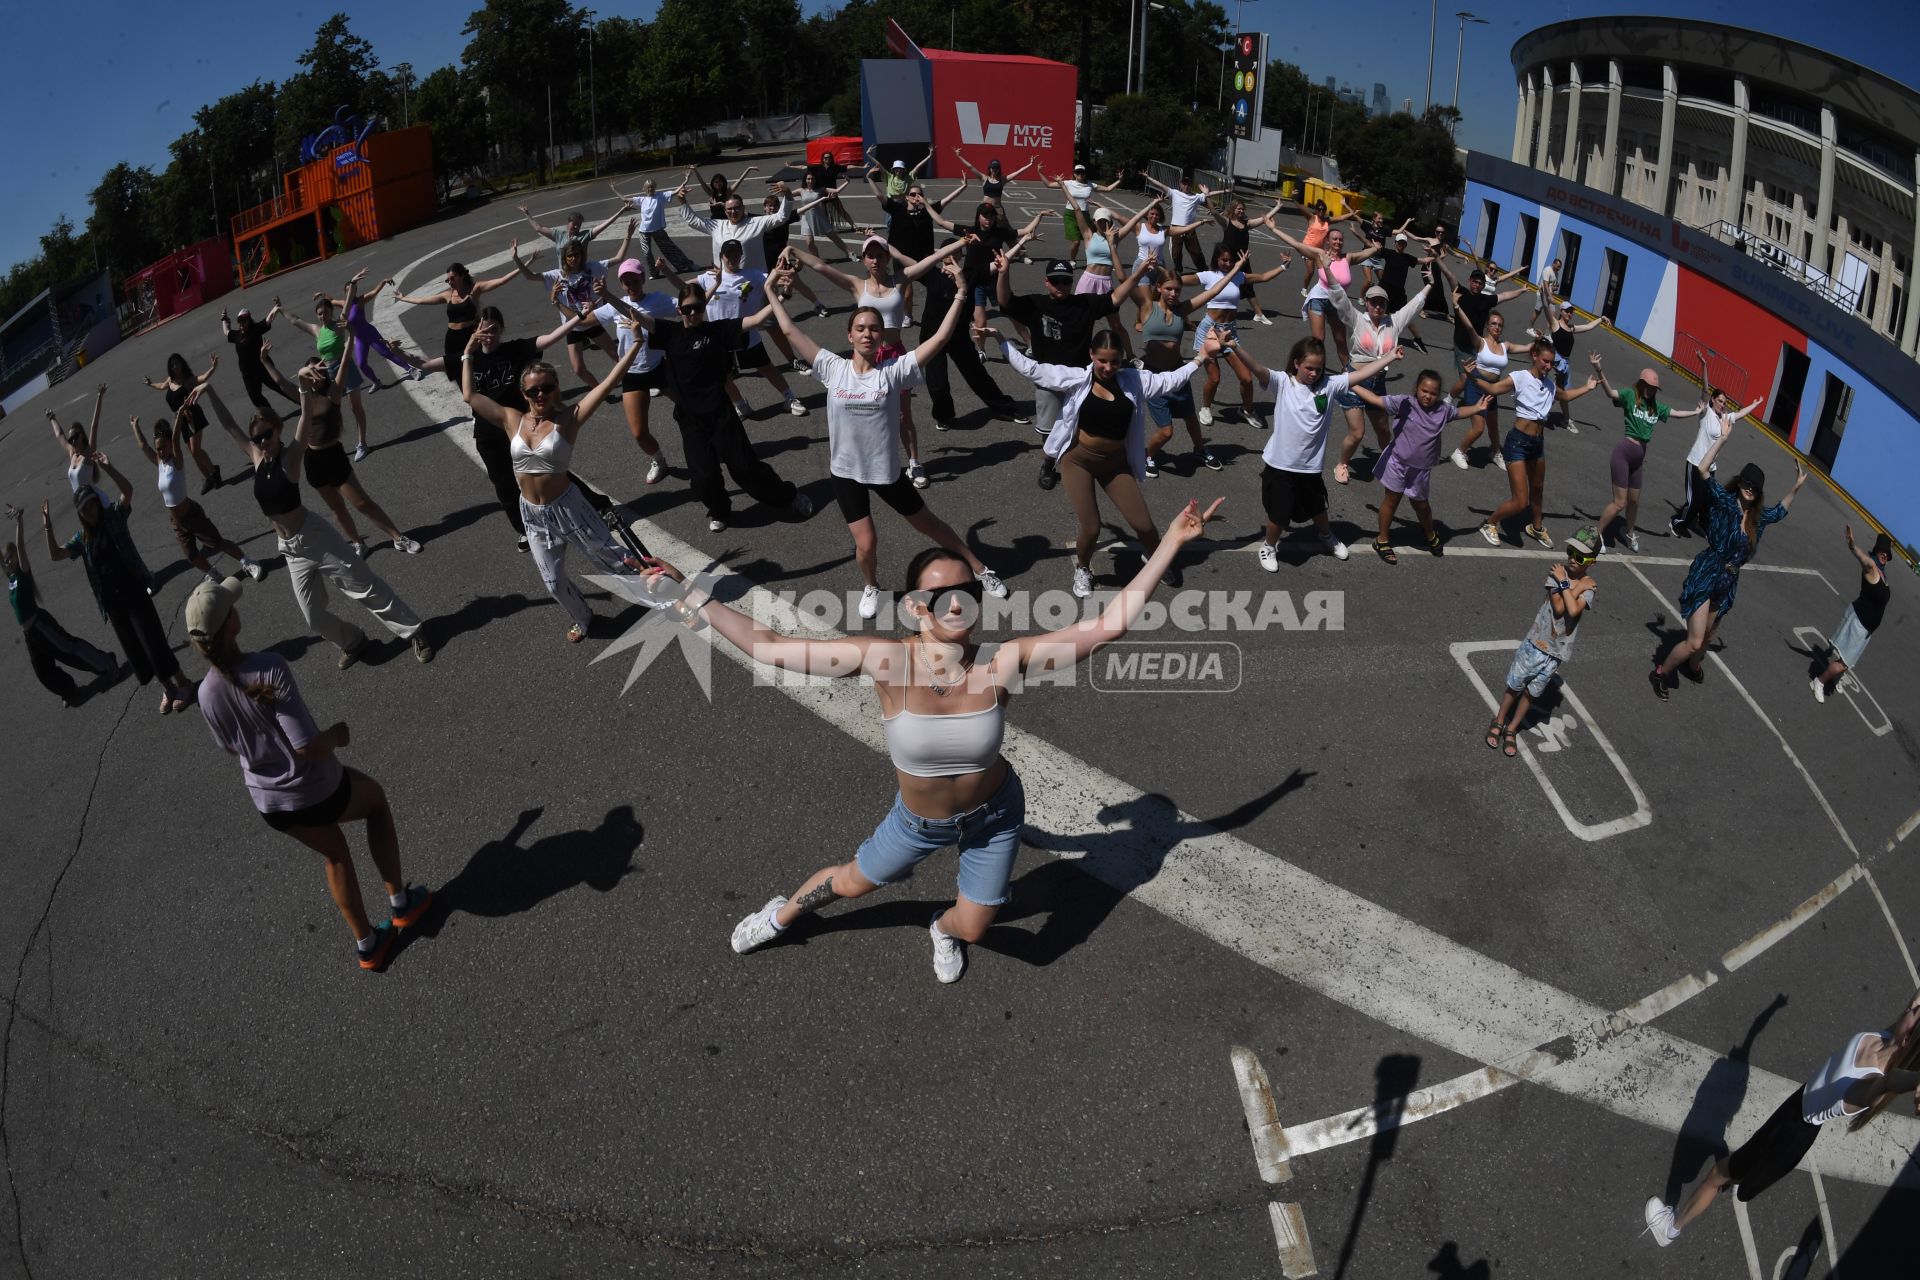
<point>1296,1248</point>
<point>1850,684</point>
<point>1458,548</point>
<point>1746,1239</point>
<point>1263,1116</point>
<point>1556,740</point>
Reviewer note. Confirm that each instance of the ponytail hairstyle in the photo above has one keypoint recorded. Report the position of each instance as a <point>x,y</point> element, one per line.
<point>1104,340</point>
<point>466,276</point>
<point>1301,350</point>
<point>223,655</point>
<point>866,311</point>
<point>1539,345</point>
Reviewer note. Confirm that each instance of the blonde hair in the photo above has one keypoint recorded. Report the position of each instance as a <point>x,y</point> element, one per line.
<point>223,655</point>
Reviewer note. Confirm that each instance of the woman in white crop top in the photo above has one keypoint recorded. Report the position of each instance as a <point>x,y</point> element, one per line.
<point>193,529</point>
<point>943,697</point>
<point>1535,390</point>
<point>1854,1084</point>
<point>551,505</point>
<point>1222,318</point>
<point>1495,353</point>
<point>880,290</point>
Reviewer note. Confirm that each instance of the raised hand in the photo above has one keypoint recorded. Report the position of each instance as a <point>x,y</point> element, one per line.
<point>1594,360</point>
<point>1191,521</point>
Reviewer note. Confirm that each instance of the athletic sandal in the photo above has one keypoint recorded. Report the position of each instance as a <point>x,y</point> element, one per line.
<point>1493,736</point>
<point>1433,543</point>
<point>166,703</point>
<point>1342,473</point>
<point>1509,746</point>
<point>1385,551</point>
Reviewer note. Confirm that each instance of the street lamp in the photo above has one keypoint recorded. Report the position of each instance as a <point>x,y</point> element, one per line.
<point>593,102</point>
<point>1433,17</point>
<point>1453,125</point>
<point>1140,80</point>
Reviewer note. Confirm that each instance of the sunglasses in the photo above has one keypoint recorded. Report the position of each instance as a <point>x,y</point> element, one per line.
<point>543,389</point>
<point>262,438</point>
<point>940,599</point>
<point>1574,557</point>
<point>689,311</point>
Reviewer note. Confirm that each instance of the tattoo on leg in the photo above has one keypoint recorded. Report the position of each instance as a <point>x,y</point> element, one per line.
<point>819,896</point>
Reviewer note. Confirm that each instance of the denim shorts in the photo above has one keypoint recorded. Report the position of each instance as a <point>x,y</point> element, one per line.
<point>1175,404</point>
<point>1322,305</point>
<point>1532,670</point>
<point>988,838</point>
<point>1376,384</point>
<point>982,295</point>
<point>1229,332</point>
<point>1519,446</point>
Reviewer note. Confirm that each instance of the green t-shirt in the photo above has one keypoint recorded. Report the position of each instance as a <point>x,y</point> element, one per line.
<point>1640,419</point>
<point>330,343</point>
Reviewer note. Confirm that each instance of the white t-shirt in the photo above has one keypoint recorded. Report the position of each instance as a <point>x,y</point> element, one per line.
<point>1532,397</point>
<point>652,210</point>
<point>657,305</point>
<point>1228,299</point>
<point>1077,191</point>
<point>731,296</point>
<point>579,293</point>
<point>863,416</point>
<point>1300,417</point>
<point>1183,204</point>
<point>1712,427</point>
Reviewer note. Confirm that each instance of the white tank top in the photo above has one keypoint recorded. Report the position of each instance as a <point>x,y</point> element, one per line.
<point>1532,397</point>
<point>1492,360</point>
<point>1824,1097</point>
<point>892,306</point>
<point>945,746</point>
<point>1147,240</point>
<point>551,457</point>
<point>173,484</point>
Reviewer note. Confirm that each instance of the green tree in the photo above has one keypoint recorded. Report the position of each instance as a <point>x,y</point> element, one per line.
<point>519,51</point>
<point>450,102</point>
<point>237,134</point>
<point>1405,162</point>
<point>688,70</point>
<point>118,227</point>
<point>1136,128</point>
<point>339,70</point>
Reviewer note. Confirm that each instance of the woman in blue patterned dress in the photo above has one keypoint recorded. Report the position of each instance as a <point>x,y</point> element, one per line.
<point>1735,521</point>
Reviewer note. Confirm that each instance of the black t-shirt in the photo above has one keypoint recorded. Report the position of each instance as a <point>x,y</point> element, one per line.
<point>496,373</point>
<point>1478,306</point>
<point>1870,606</point>
<point>937,289</point>
<point>773,241</point>
<point>909,230</point>
<point>1236,240</point>
<point>1061,328</point>
<point>1394,266</point>
<point>977,259</point>
<point>699,359</point>
<point>246,345</point>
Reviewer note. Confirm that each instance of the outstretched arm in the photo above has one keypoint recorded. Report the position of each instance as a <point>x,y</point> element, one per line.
<point>19,519</point>
<point>1124,290</point>
<point>93,431</point>
<point>914,270</point>
<point>1567,395</point>
<point>526,213</point>
<point>521,268</point>
<point>842,657</point>
<point>54,550</point>
<point>209,396</point>
<point>940,205</point>
<point>611,219</point>
<point>931,347</point>
<point>566,326</point>
<point>1593,359</point>
<point>839,277</point>
<point>803,346</point>
<point>139,438</point>
<point>596,396</point>
<point>1786,499</point>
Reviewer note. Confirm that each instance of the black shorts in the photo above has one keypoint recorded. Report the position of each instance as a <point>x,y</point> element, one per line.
<point>855,498</point>
<point>753,357</point>
<point>1775,1149</point>
<point>586,337</point>
<point>329,466</point>
<point>196,422</point>
<point>654,377</point>
<point>1292,495</point>
<point>323,813</point>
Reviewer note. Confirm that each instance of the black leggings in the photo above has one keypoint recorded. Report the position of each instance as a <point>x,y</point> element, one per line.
<point>1699,500</point>
<point>49,644</point>
<point>142,638</point>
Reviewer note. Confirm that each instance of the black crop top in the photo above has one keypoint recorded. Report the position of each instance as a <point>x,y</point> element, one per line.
<point>276,494</point>
<point>463,312</point>
<point>1106,419</point>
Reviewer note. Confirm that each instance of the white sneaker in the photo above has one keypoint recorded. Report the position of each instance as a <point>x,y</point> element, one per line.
<point>359,548</point>
<point>716,526</point>
<point>1659,1216</point>
<point>1260,317</point>
<point>758,929</point>
<point>991,584</point>
<point>1269,557</point>
<point>1334,545</point>
<point>652,392</point>
<point>869,602</point>
<point>949,960</point>
<point>742,409</point>
<point>1491,534</point>
<point>1459,459</point>
<point>253,570</point>
<point>407,545</point>
<point>802,368</point>
<point>657,469</point>
<point>1205,415</point>
<point>795,408</point>
<point>360,453</point>
<point>1082,582</point>
<point>1633,542</point>
<point>917,474</point>
<point>1819,689</point>
<point>1253,419</point>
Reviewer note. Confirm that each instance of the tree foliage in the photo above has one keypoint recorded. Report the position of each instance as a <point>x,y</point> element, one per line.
<point>1406,162</point>
<point>1136,128</point>
<point>519,52</point>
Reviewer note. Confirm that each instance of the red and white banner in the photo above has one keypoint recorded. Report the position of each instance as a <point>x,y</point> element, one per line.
<point>1011,110</point>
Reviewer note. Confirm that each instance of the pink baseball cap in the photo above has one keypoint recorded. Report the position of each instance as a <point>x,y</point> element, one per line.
<point>632,267</point>
<point>1649,377</point>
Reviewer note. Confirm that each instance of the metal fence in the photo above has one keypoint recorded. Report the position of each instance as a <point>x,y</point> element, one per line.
<point>1725,375</point>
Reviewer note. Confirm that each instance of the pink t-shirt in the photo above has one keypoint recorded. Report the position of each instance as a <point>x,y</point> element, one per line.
<point>264,735</point>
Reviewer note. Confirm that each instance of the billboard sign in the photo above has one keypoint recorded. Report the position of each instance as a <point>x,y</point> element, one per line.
<point>1249,77</point>
<point>1008,111</point>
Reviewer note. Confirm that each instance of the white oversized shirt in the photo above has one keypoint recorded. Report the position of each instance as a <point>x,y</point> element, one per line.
<point>749,232</point>
<point>863,416</point>
<point>1300,417</point>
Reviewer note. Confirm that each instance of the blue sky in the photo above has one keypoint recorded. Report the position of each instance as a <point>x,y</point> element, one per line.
<point>77,106</point>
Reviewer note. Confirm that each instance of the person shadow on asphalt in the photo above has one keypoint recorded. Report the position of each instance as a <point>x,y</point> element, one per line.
<point>1703,1134</point>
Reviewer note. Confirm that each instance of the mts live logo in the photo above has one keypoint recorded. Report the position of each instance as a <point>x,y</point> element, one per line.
<point>973,133</point>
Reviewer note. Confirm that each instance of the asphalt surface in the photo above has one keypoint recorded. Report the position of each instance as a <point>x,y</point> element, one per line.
<point>569,1073</point>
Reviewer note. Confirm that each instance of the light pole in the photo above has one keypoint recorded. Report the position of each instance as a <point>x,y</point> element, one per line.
<point>1127,66</point>
<point>1433,16</point>
<point>593,101</point>
<point>1453,125</point>
<point>1140,80</point>
<point>405,71</point>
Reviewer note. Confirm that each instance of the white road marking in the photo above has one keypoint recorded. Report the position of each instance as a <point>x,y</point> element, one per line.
<point>1826,1216</point>
<point>1746,1238</point>
<point>1642,811</point>
<point>1296,1247</point>
<point>1816,639</point>
<point>1263,1116</point>
<point>1905,829</point>
<point>1296,924</point>
<point>1899,939</point>
<point>1458,547</point>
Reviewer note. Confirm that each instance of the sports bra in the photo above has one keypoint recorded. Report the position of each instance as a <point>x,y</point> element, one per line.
<point>1162,326</point>
<point>1146,240</point>
<point>1492,360</point>
<point>173,484</point>
<point>992,187</point>
<point>945,746</point>
<point>276,494</point>
<point>1824,1096</point>
<point>1106,419</point>
<point>463,313</point>
<point>550,457</point>
<point>892,306</point>
<point>1099,251</point>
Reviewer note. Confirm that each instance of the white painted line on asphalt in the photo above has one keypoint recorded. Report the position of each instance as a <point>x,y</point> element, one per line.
<point>1906,829</point>
<point>1774,729</point>
<point>1590,831</point>
<point>1306,929</point>
<point>1296,1247</point>
<point>1263,1116</point>
<point>1759,943</point>
<point>1746,1239</point>
<point>1826,1218</point>
<point>1816,639</point>
<point>1899,939</point>
<point>1458,548</point>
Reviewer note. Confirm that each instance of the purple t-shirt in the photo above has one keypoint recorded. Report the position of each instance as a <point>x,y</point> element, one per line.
<point>264,735</point>
<point>1416,440</point>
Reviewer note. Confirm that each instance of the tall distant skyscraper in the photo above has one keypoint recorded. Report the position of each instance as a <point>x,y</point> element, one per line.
<point>1381,106</point>
<point>1330,85</point>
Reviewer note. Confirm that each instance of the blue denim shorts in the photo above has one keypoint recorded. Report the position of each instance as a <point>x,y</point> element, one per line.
<point>1176,404</point>
<point>1376,384</point>
<point>1518,446</point>
<point>982,295</point>
<point>1322,305</point>
<point>1532,670</point>
<point>988,837</point>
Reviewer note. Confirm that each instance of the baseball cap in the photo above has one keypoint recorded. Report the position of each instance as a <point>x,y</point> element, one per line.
<point>1585,542</point>
<point>1079,168</point>
<point>1400,237</point>
<point>1102,215</point>
<point>243,314</point>
<point>635,267</point>
<point>1059,269</point>
<point>1650,377</point>
<point>731,249</point>
<point>209,605</point>
<point>899,164</point>
<point>1376,292</point>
